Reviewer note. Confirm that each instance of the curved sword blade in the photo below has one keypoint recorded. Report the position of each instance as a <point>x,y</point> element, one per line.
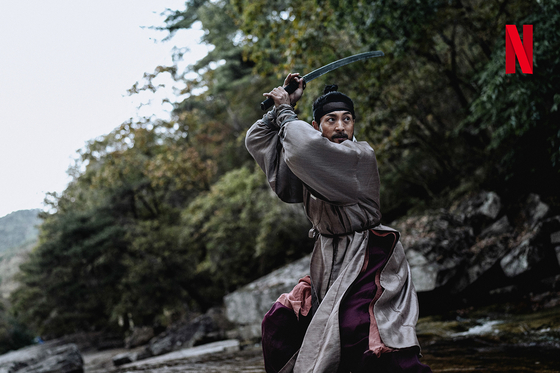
<point>323,70</point>
<point>336,64</point>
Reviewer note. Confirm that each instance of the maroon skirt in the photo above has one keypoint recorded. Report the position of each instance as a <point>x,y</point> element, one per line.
<point>283,330</point>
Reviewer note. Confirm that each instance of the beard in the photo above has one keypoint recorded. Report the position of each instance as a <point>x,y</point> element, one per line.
<point>339,137</point>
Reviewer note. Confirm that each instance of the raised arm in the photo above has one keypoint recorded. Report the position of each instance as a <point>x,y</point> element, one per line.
<point>263,143</point>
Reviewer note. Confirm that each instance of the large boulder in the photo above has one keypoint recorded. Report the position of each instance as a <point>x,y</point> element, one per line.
<point>464,254</point>
<point>43,358</point>
<point>437,248</point>
<point>247,306</point>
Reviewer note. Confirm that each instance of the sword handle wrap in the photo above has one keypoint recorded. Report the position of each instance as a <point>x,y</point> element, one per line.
<point>290,88</point>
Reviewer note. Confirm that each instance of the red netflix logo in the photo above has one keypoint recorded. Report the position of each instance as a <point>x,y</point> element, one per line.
<point>524,52</point>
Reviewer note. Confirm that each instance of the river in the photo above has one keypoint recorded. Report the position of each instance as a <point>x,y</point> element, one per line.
<point>491,339</point>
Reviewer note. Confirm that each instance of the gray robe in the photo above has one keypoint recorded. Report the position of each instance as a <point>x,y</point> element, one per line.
<point>339,187</point>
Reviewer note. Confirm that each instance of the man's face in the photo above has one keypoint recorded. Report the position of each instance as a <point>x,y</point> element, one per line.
<point>336,126</point>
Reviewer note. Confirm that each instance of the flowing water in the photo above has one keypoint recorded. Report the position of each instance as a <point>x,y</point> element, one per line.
<point>492,339</point>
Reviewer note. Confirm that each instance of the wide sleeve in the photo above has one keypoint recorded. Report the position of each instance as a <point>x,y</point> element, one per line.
<point>263,143</point>
<point>343,173</point>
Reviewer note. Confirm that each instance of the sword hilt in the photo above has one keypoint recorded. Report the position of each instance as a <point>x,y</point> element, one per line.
<point>290,88</point>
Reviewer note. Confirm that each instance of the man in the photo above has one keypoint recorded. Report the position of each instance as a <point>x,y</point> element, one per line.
<point>357,310</point>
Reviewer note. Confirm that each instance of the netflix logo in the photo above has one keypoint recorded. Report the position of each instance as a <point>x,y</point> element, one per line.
<point>523,51</point>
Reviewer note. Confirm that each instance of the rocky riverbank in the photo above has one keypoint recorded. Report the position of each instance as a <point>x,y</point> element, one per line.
<point>510,337</point>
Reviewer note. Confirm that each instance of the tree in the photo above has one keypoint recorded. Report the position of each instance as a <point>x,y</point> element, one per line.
<point>13,335</point>
<point>114,221</point>
<point>409,102</point>
<point>242,230</point>
<point>519,114</point>
<point>68,284</point>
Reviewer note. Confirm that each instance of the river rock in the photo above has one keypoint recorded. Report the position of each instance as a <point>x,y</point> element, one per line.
<point>520,259</point>
<point>535,250</point>
<point>535,210</point>
<point>139,336</point>
<point>530,246</point>
<point>130,357</point>
<point>479,209</point>
<point>206,328</point>
<point>124,358</point>
<point>43,359</point>
<point>499,255</point>
<point>500,227</point>
<point>90,341</point>
<point>220,347</point>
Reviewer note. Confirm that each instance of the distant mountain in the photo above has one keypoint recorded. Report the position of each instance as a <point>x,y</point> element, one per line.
<point>18,235</point>
<point>18,228</point>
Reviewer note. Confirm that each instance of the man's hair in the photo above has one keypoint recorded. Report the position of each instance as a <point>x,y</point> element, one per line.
<point>330,101</point>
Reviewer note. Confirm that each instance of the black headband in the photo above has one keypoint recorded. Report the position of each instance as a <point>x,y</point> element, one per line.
<point>330,107</point>
<point>333,101</point>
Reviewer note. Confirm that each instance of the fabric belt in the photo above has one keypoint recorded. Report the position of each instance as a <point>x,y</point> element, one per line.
<point>314,233</point>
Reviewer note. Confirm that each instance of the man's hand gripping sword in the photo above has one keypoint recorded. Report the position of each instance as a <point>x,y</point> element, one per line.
<point>294,84</point>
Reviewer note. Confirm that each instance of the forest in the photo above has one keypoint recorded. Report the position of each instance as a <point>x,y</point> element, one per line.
<point>166,217</point>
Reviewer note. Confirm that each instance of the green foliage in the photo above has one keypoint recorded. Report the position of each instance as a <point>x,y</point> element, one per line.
<point>13,334</point>
<point>410,102</point>
<point>243,230</point>
<point>216,111</point>
<point>163,217</point>
<point>518,113</point>
<point>159,274</point>
<point>68,284</point>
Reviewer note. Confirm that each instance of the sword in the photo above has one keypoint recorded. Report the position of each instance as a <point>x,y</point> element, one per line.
<point>290,88</point>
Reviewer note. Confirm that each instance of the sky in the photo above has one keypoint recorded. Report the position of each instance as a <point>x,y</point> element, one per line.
<point>65,69</point>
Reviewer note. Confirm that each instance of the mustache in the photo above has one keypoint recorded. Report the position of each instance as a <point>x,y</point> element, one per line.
<point>340,136</point>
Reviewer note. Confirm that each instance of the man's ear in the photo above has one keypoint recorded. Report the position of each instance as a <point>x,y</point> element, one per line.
<point>316,126</point>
